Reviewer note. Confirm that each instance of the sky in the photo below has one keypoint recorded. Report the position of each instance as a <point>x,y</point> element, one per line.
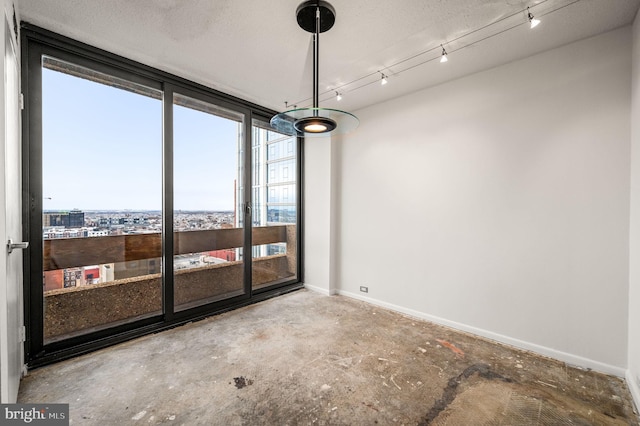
<point>102,150</point>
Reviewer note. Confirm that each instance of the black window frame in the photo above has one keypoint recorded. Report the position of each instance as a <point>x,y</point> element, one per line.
<point>36,42</point>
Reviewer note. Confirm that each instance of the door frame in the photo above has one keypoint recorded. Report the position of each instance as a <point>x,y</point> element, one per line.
<point>11,303</point>
<point>168,206</point>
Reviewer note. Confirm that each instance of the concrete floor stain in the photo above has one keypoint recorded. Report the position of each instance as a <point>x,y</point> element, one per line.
<point>242,382</point>
<point>451,390</point>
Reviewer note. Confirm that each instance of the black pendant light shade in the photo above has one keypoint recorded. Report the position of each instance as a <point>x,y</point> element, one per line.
<point>314,124</point>
<point>314,16</point>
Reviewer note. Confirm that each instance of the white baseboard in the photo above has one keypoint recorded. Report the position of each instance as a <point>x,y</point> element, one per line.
<point>324,291</point>
<point>573,360</point>
<point>634,388</point>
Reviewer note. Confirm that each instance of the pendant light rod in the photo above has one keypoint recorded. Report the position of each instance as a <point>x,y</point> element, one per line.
<point>316,57</point>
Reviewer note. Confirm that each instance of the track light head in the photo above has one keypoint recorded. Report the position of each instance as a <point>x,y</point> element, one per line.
<point>534,22</point>
<point>443,58</point>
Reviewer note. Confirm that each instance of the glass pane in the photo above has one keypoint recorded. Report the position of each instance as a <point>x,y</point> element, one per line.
<point>274,192</point>
<point>102,189</point>
<point>208,228</point>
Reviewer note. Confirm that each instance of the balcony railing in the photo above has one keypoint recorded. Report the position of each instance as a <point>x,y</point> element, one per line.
<point>76,310</point>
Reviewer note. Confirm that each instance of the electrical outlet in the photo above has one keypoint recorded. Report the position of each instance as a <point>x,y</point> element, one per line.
<point>364,289</point>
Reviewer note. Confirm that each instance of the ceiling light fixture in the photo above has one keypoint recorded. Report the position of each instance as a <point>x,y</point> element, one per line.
<point>444,55</point>
<point>368,79</point>
<point>383,79</point>
<point>338,96</point>
<point>532,19</point>
<point>315,16</point>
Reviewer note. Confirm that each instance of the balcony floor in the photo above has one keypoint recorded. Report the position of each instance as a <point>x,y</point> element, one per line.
<point>305,358</point>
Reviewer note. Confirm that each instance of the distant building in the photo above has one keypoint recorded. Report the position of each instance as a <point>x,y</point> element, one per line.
<point>72,277</point>
<point>76,219</point>
<point>78,277</point>
<point>229,254</point>
<point>273,183</point>
<point>115,221</point>
<point>53,280</point>
<point>71,219</point>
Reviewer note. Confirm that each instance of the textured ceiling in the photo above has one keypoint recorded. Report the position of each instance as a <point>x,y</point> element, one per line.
<point>255,50</point>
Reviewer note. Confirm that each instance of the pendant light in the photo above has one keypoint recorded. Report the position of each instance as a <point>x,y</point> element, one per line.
<point>314,16</point>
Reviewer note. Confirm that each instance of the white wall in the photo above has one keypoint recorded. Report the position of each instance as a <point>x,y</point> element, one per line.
<point>499,203</point>
<point>633,373</point>
<point>318,214</point>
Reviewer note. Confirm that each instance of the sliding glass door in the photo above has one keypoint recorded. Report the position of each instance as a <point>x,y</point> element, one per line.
<point>151,201</point>
<point>208,200</point>
<point>101,200</point>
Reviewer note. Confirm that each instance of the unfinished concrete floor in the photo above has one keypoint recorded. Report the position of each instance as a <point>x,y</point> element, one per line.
<point>305,358</point>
